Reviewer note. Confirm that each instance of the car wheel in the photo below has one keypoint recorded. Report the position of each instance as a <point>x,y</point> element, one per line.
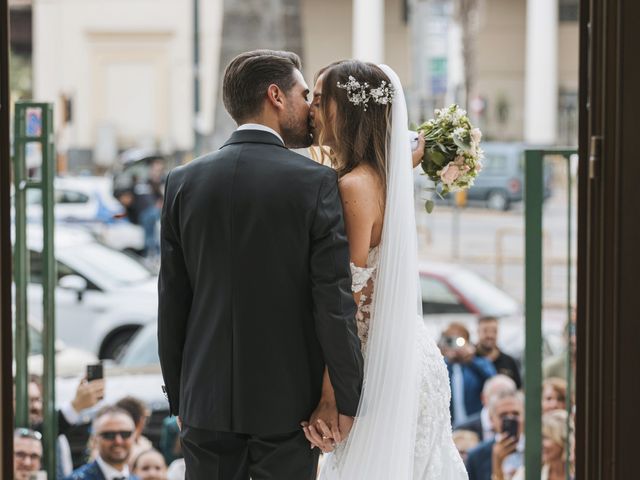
<point>498,200</point>
<point>115,343</point>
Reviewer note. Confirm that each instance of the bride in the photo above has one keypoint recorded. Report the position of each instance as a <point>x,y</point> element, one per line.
<point>403,426</point>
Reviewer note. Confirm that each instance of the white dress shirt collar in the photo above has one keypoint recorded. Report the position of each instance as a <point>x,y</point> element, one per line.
<point>110,472</point>
<point>259,126</point>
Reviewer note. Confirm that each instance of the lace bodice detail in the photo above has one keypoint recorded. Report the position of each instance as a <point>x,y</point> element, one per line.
<point>363,280</point>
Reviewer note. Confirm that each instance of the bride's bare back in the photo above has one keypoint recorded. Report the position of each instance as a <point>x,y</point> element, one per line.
<point>362,194</point>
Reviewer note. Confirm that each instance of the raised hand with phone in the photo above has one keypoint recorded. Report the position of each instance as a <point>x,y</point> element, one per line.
<point>506,413</point>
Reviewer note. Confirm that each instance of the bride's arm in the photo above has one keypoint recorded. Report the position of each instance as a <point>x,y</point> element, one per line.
<point>359,194</point>
<point>360,203</point>
<point>359,206</point>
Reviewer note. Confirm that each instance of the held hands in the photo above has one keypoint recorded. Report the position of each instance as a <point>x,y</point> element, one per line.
<point>326,427</point>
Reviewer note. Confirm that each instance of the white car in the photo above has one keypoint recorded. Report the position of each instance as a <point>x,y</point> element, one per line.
<point>454,294</point>
<point>137,373</point>
<point>89,201</point>
<point>69,361</point>
<point>103,296</point>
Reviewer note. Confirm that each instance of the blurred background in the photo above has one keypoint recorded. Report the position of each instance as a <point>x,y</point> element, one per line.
<point>135,86</point>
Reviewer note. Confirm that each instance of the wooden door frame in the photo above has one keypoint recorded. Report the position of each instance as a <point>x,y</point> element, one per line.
<point>608,393</point>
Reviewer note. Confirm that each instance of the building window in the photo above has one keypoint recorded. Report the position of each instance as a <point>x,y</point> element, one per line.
<point>568,10</point>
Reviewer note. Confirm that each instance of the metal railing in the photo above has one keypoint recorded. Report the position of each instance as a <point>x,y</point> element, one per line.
<point>34,125</point>
<point>534,197</point>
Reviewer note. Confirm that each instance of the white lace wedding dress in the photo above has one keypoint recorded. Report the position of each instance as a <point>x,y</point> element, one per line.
<point>403,425</point>
<point>435,455</point>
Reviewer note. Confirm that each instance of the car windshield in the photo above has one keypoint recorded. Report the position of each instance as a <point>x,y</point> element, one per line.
<point>489,299</point>
<point>100,262</point>
<point>143,349</point>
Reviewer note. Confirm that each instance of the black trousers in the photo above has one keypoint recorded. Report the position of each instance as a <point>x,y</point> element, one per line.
<point>213,455</point>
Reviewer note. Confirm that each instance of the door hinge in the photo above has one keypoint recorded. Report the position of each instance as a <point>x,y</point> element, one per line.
<point>595,156</point>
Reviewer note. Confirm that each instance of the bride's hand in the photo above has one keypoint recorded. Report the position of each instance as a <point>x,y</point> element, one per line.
<point>322,428</point>
<point>418,153</point>
<point>319,435</point>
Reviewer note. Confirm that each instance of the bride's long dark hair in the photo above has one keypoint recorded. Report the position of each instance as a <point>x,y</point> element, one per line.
<point>360,136</point>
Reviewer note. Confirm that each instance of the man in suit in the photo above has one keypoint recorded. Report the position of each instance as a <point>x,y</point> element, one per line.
<point>113,430</point>
<point>480,423</point>
<point>503,452</point>
<point>255,286</point>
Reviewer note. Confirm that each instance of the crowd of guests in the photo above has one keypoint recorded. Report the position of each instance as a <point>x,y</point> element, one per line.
<point>116,449</point>
<point>487,407</point>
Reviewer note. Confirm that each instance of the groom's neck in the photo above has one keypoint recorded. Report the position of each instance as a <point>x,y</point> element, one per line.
<point>266,120</point>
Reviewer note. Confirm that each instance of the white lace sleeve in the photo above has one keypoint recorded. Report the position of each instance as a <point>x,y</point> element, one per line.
<point>359,277</point>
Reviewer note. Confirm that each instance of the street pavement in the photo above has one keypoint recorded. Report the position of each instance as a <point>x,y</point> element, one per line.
<point>491,243</point>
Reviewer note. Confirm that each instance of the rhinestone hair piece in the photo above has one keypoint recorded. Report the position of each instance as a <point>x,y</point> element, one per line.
<point>362,93</point>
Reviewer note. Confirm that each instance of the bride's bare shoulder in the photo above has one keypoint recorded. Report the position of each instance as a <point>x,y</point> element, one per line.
<point>360,181</point>
<point>360,190</point>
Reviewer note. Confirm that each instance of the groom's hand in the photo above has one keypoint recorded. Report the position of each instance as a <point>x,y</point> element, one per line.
<point>179,422</point>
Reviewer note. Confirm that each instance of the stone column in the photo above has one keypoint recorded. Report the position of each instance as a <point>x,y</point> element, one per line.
<point>541,72</point>
<point>368,30</point>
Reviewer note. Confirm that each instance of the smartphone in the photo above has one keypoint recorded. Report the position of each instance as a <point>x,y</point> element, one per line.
<point>510,426</point>
<point>94,372</point>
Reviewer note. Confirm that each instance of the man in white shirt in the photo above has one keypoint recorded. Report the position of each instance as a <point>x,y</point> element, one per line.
<point>113,431</point>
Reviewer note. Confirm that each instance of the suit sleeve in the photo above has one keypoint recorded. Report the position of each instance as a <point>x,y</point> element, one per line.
<point>174,298</point>
<point>334,307</point>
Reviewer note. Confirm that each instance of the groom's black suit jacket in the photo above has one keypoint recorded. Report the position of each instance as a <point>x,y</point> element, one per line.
<point>255,289</point>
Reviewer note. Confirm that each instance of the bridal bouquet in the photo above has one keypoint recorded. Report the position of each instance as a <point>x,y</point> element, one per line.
<point>452,154</point>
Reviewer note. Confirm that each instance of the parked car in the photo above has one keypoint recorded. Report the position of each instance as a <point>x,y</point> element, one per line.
<point>451,293</point>
<point>136,373</point>
<point>103,296</point>
<point>89,201</point>
<point>500,184</point>
<point>70,361</point>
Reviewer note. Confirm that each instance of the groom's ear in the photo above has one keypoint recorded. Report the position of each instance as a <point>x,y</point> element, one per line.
<point>275,96</point>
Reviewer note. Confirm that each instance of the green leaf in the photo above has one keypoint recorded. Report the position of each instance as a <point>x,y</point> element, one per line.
<point>435,157</point>
<point>429,206</point>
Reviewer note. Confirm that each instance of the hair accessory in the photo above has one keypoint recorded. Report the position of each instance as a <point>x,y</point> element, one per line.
<point>361,93</point>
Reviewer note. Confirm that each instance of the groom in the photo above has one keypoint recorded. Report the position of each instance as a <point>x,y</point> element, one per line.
<point>255,289</point>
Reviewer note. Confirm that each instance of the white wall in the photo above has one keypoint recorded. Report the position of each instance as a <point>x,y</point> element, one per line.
<point>127,63</point>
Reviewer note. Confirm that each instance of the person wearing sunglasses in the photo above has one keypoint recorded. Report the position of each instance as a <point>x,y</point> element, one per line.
<point>113,430</point>
<point>27,453</point>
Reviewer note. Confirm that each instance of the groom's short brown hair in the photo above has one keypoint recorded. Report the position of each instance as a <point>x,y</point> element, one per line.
<point>248,76</point>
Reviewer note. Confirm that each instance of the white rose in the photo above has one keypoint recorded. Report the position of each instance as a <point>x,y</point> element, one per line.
<point>476,135</point>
